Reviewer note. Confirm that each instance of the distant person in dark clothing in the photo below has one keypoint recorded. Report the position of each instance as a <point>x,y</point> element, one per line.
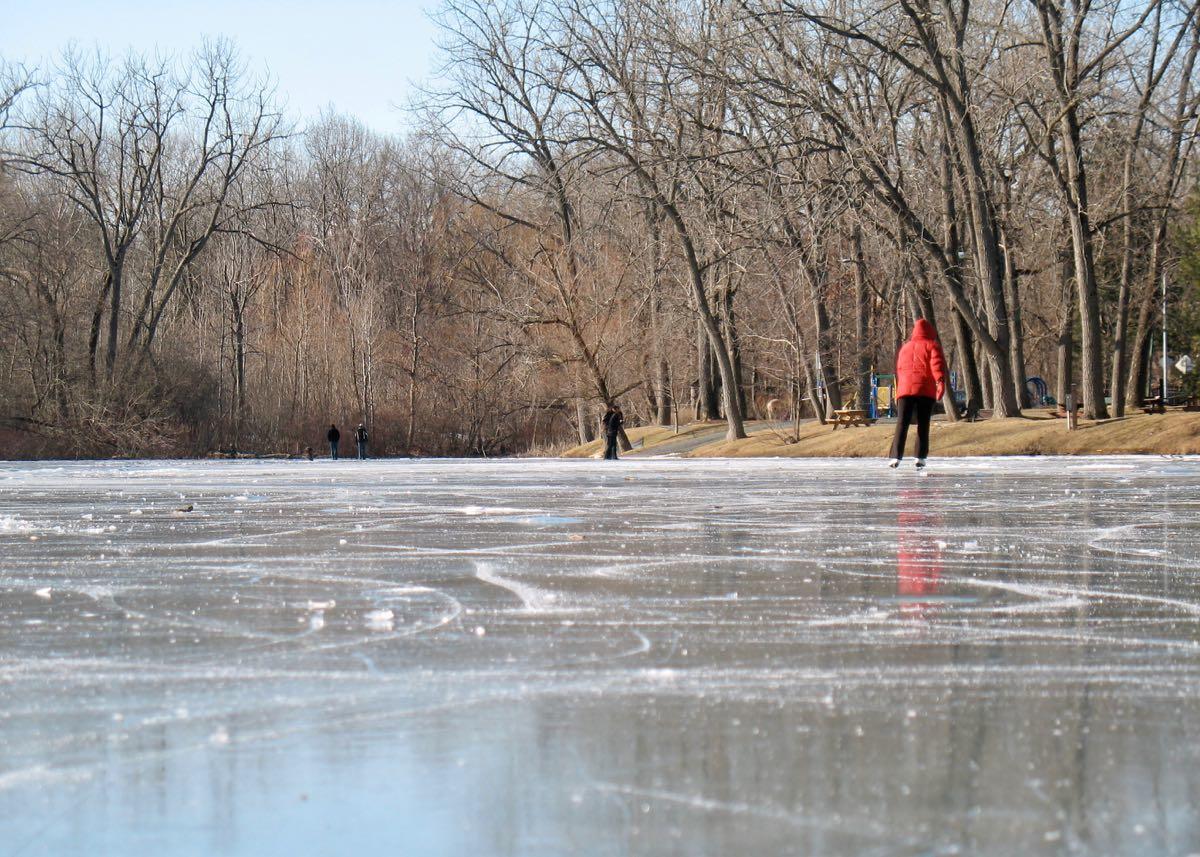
<point>333,436</point>
<point>614,421</point>
<point>920,382</point>
<point>360,436</point>
<point>308,452</point>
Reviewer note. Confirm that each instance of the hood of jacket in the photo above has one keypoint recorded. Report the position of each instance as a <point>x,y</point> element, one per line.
<point>923,330</point>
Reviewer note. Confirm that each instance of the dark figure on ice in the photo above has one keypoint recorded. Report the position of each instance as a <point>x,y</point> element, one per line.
<point>614,420</point>
<point>920,382</point>
<point>333,436</point>
<point>308,452</point>
<point>360,436</point>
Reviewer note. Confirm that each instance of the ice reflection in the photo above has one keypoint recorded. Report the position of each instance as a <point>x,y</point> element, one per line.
<point>918,552</point>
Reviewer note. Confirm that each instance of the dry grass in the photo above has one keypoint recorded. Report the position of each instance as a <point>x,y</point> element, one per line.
<point>1163,434</point>
<point>642,435</point>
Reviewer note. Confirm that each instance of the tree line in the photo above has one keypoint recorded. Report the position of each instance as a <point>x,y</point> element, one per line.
<point>689,207</point>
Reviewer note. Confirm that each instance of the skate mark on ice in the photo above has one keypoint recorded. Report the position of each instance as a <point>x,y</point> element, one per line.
<point>739,808</point>
<point>533,599</point>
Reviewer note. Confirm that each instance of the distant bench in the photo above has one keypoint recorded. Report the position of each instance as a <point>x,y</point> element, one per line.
<point>1158,405</point>
<point>851,417</point>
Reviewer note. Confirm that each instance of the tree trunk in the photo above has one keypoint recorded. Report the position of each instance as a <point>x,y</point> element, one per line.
<point>733,413</point>
<point>963,340</point>
<point>814,396</point>
<point>706,391</point>
<point>1065,353</point>
<point>1135,384</point>
<point>662,370</point>
<point>97,323</point>
<point>833,395</point>
<point>1185,111</point>
<point>583,423</point>
<point>989,266</point>
<point>650,387</point>
<point>1062,58</point>
<point>987,380</point>
<point>239,368</point>
<point>921,305</point>
<point>1139,370</point>
<point>414,349</point>
<point>1016,342</point>
<point>1091,383</point>
<point>1120,354</point>
<point>60,377</point>
<point>1139,367</point>
<point>733,343</point>
<point>661,384</point>
<point>968,368</point>
<point>666,405</point>
<point>924,308</point>
<point>862,318</point>
<point>1065,347</point>
<point>114,318</point>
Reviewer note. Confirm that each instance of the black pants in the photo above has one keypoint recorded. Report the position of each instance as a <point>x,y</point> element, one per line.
<point>333,445</point>
<point>362,449</point>
<point>908,409</point>
<point>610,447</point>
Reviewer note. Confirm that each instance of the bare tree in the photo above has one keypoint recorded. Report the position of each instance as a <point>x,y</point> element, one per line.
<point>149,152</point>
<point>507,116</point>
<point>625,80</point>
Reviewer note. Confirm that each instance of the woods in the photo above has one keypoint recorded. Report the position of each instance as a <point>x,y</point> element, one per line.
<point>688,207</point>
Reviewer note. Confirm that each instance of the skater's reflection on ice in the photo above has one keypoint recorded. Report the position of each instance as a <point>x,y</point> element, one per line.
<point>918,552</point>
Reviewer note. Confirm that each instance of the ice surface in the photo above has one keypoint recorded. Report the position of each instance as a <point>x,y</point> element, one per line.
<point>576,657</point>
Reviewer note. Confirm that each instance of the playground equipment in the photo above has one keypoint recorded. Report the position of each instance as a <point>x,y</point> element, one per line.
<point>1039,393</point>
<point>883,396</point>
<point>957,392</point>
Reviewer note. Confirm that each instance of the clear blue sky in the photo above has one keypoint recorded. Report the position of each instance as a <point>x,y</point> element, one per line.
<point>356,55</point>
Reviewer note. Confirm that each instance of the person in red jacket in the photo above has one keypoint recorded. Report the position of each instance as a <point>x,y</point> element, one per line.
<point>920,382</point>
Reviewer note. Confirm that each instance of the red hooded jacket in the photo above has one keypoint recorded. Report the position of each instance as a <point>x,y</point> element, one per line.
<point>920,365</point>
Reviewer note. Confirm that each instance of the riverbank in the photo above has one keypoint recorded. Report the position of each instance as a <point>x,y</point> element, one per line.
<point>1173,433</point>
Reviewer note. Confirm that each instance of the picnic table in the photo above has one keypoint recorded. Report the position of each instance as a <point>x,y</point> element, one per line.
<point>1158,405</point>
<point>851,417</point>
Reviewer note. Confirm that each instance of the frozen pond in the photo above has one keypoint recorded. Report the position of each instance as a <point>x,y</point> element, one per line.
<point>654,657</point>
